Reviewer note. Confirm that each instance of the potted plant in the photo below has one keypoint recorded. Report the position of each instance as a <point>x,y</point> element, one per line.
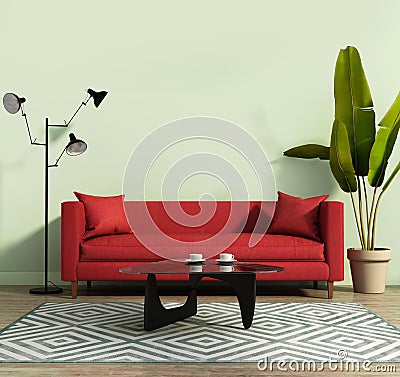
<point>358,155</point>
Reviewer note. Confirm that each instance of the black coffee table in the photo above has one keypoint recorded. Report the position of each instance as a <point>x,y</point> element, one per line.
<point>240,275</point>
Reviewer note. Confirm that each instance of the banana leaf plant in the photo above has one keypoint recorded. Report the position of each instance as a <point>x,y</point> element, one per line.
<point>357,153</point>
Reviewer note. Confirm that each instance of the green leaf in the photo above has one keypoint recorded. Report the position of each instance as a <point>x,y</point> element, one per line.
<point>391,177</point>
<point>384,143</point>
<point>340,158</point>
<point>365,136</point>
<point>353,107</point>
<point>309,151</point>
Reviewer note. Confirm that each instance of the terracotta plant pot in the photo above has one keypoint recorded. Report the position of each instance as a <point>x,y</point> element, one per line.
<point>369,269</point>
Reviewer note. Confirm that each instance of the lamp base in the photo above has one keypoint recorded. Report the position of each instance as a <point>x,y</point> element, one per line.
<point>45,290</point>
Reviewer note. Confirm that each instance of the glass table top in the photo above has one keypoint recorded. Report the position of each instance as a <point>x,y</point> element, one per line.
<point>209,267</point>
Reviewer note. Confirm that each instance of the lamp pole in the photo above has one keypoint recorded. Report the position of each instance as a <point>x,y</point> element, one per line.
<point>46,214</point>
<point>46,289</point>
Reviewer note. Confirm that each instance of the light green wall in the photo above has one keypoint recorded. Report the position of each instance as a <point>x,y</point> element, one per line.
<point>264,65</point>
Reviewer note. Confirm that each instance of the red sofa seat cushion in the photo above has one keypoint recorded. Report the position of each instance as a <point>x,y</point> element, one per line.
<point>121,247</point>
<point>277,247</point>
<point>270,247</point>
<point>126,247</point>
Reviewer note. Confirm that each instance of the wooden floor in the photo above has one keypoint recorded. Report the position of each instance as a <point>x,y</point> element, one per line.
<point>15,301</point>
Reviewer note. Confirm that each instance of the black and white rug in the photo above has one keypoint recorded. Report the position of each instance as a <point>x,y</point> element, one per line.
<point>113,332</point>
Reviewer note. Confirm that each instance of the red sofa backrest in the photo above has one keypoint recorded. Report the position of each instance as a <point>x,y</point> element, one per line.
<point>205,217</point>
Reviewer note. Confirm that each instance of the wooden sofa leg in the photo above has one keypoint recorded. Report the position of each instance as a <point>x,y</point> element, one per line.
<point>74,289</point>
<point>315,284</point>
<point>89,284</point>
<point>330,289</point>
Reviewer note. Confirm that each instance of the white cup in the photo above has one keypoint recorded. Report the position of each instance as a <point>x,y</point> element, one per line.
<point>225,268</point>
<point>196,268</point>
<point>226,257</point>
<point>196,257</point>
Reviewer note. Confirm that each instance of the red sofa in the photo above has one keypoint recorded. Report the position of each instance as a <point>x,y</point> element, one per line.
<point>100,258</point>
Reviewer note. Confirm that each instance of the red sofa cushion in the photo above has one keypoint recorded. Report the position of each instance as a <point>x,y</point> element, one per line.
<point>126,247</point>
<point>104,215</point>
<point>274,247</point>
<point>296,216</point>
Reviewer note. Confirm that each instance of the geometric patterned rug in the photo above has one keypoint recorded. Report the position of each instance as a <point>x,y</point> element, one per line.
<point>113,332</point>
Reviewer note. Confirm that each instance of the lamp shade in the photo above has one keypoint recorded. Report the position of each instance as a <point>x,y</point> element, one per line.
<point>12,103</point>
<point>97,96</point>
<point>75,147</point>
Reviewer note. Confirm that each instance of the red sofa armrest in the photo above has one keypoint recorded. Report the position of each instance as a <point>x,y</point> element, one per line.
<point>72,231</point>
<point>331,230</point>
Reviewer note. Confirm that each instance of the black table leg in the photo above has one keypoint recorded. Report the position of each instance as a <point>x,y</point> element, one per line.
<point>156,315</point>
<point>244,286</point>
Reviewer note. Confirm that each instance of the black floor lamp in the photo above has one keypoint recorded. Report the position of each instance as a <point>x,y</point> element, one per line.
<point>12,103</point>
